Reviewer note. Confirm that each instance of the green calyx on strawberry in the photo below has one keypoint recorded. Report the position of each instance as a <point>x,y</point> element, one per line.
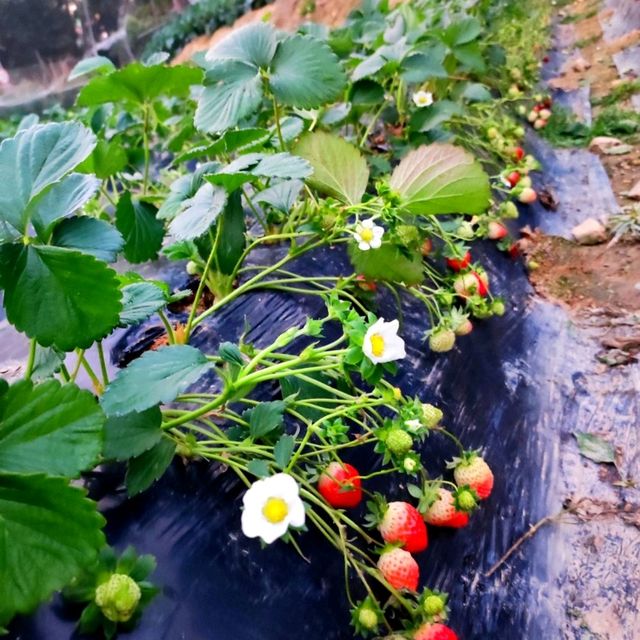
<point>366,617</point>
<point>402,524</point>
<point>442,339</point>
<point>472,471</point>
<point>398,442</point>
<point>399,569</point>
<point>340,485</point>
<point>438,507</point>
<point>460,260</point>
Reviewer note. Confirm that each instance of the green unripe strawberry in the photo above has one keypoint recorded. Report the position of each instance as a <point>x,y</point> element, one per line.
<point>442,340</point>
<point>508,210</point>
<point>431,416</point>
<point>193,268</point>
<point>399,442</point>
<point>408,235</point>
<point>498,307</point>
<point>434,605</point>
<point>368,618</point>
<point>465,500</point>
<point>118,597</point>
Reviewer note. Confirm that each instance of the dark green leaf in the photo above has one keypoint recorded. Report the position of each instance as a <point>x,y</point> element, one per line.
<point>49,532</point>
<point>265,418</point>
<point>283,450</point>
<point>232,235</point>
<point>428,118</point>
<point>156,377</point>
<point>595,448</point>
<point>107,159</point>
<point>470,56</point>
<point>142,231</point>
<point>79,295</point>
<point>131,435</point>
<point>148,467</point>
<point>462,31</point>
<point>388,263</point>
<point>254,44</point>
<point>47,362</point>
<point>305,73</point>
<point>89,235</point>
<point>258,468</point>
<point>366,92</point>
<point>424,66</point>
<point>140,300</point>
<point>50,428</point>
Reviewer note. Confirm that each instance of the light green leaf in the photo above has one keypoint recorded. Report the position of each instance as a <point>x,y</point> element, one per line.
<point>470,56</point>
<point>233,91</point>
<point>89,235</point>
<point>140,300</point>
<point>595,448</point>
<point>58,296</point>
<point>388,264</point>
<point>93,65</point>
<point>137,83</point>
<point>107,159</point>
<point>198,213</point>
<point>305,73</point>
<point>422,66</point>
<point>258,468</point>
<point>50,428</point>
<point>59,201</point>
<point>148,467</point>
<point>154,378</point>
<point>49,532</point>
<point>462,31</point>
<point>441,178</point>
<point>254,44</point>
<point>281,196</point>
<point>142,231</point>
<point>131,435</point>
<point>35,159</point>
<point>428,118</point>
<point>339,170</point>
<point>182,189</point>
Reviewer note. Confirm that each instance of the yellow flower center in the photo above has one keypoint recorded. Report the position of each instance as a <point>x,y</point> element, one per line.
<point>275,510</point>
<point>366,234</point>
<point>377,345</point>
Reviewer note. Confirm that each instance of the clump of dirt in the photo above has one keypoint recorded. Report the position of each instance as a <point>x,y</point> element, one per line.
<point>585,277</point>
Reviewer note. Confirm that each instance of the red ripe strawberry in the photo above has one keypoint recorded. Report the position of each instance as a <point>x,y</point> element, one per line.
<point>399,569</point>
<point>538,108</point>
<point>470,284</point>
<point>473,471</point>
<point>340,485</point>
<point>458,264</point>
<point>518,154</point>
<point>443,512</point>
<point>435,631</point>
<point>513,178</point>
<point>403,523</point>
<point>514,250</point>
<point>497,230</point>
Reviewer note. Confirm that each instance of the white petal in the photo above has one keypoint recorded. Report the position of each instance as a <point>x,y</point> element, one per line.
<point>376,243</point>
<point>364,246</point>
<point>252,522</point>
<point>296,513</point>
<point>271,532</point>
<point>378,232</point>
<point>284,486</point>
<point>391,329</point>
<point>367,223</point>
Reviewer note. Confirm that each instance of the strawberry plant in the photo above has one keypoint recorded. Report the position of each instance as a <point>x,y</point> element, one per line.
<point>390,142</point>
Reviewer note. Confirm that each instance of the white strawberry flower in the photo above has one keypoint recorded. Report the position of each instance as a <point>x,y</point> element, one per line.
<point>382,342</point>
<point>271,506</point>
<point>368,234</point>
<point>423,98</point>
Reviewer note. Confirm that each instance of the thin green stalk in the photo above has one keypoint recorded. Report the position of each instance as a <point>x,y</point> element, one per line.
<point>103,364</point>
<point>31,361</point>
